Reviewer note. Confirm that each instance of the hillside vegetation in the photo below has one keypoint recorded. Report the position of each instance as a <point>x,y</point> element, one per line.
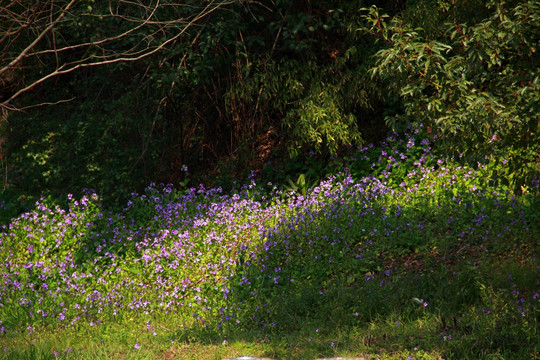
<point>287,179</point>
<point>418,257</point>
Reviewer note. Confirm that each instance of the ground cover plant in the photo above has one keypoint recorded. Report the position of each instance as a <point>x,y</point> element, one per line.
<point>404,254</point>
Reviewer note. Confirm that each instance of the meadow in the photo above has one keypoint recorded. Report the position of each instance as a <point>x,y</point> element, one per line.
<point>404,253</point>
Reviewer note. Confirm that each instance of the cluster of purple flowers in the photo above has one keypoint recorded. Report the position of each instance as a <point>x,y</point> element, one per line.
<point>216,257</point>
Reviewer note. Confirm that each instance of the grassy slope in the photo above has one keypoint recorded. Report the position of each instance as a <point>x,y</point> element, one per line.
<point>405,256</point>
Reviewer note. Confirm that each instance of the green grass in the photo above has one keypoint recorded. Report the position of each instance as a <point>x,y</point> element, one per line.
<point>421,334</point>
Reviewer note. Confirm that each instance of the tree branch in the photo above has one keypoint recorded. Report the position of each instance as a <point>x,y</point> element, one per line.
<point>23,54</point>
<point>36,17</point>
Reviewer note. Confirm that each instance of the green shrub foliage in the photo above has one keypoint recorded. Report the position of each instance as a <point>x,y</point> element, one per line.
<point>475,83</point>
<point>323,75</point>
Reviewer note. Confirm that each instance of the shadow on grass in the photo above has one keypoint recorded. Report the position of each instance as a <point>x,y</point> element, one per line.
<point>325,288</point>
<point>322,289</point>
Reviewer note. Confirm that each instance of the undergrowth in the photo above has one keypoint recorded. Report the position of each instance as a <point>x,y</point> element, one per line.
<point>404,254</point>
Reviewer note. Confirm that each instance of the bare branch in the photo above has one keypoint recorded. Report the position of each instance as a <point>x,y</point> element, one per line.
<point>38,39</point>
<point>46,103</point>
<point>100,42</point>
<point>44,19</point>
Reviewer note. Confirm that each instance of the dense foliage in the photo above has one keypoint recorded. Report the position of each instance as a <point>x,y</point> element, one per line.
<point>257,82</point>
<point>477,85</point>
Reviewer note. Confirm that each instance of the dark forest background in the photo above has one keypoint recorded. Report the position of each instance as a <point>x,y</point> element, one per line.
<point>280,87</point>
